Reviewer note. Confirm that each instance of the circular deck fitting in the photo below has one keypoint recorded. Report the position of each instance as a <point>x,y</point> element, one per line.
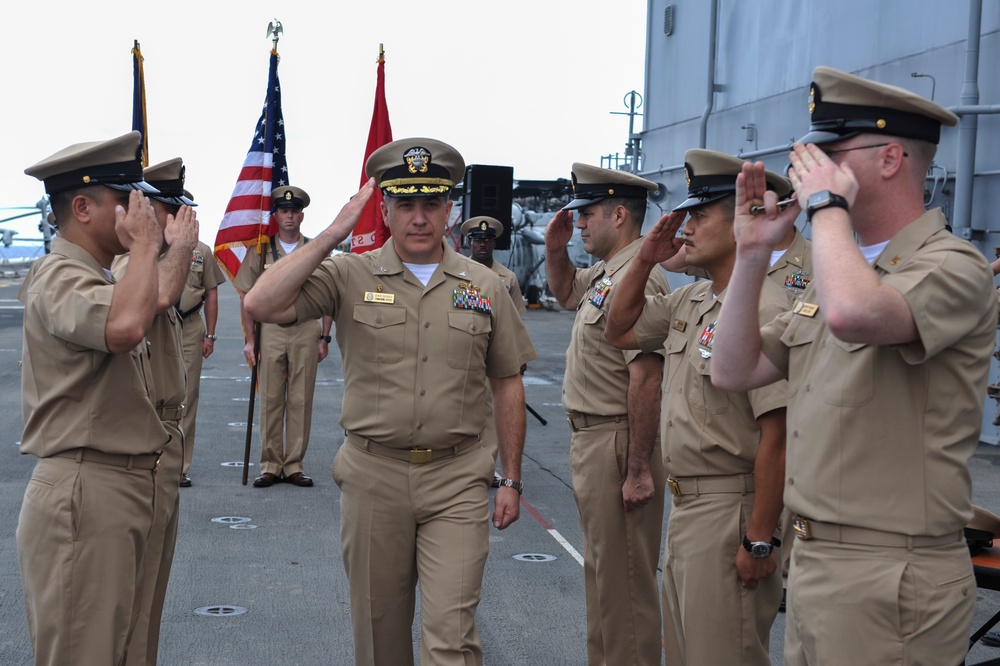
<point>534,557</point>
<point>242,526</point>
<point>220,611</point>
<point>234,463</point>
<point>231,520</point>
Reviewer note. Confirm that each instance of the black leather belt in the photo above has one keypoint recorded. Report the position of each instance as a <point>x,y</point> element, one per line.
<point>414,456</point>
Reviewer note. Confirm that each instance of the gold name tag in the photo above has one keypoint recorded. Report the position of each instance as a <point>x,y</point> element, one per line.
<point>805,309</point>
<point>374,297</point>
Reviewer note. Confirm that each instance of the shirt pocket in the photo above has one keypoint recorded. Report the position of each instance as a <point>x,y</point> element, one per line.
<point>848,375</point>
<point>468,339</point>
<point>591,333</point>
<point>383,328</point>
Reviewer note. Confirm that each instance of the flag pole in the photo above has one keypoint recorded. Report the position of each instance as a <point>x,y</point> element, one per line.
<point>273,28</point>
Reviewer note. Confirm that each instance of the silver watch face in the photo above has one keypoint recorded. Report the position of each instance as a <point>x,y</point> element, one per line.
<point>818,199</point>
<point>760,550</point>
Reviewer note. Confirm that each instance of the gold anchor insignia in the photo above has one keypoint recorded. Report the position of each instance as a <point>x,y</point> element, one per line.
<point>378,288</point>
<point>895,260</point>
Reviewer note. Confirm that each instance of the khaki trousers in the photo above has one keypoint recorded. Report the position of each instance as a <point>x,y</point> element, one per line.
<point>621,550</point>
<point>402,523</point>
<point>145,641</point>
<point>852,604</point>
<point>287,375</point>
<point>194,339</point>
<point>708,616</point>
<point>81,538</point>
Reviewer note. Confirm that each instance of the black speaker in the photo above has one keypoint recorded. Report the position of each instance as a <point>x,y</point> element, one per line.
<point>489,190</point>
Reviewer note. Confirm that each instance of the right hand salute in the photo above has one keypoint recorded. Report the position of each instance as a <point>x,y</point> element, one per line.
<point>137,225</point>
<point>560,230</point>
<point>764,231</point>
<point>662,243</point>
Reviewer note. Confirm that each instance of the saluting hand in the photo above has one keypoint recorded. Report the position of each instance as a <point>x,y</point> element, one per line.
<point>560,230</point>
<point>343,224</point>
<point>138,226</point>
<point>813,171</point>
<point>761,232</point>
<point>182,229</point>
<point>662,243</point>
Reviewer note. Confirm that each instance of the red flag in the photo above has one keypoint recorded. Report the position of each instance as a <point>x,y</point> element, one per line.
<point>247,221</point>
<point>370,232</point>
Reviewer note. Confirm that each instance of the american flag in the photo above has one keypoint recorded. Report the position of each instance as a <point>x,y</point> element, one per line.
<point>247,222</point>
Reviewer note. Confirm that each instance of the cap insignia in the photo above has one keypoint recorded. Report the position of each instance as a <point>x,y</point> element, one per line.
<point>288,195</point>
<point>418,160</point>
<point>183,169</point>
<point>812,98</point>
<point>687,175</point>
<point>483,226</point>
<point>573,179</point>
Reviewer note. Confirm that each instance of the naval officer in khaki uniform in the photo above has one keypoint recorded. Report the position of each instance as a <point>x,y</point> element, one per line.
<point>89,416</point>
<point>175,214</point>
<point>200,297</point>
<point>420,328</point>
<point>887,354</point>
<point>288,355</point>
<point>724,450</point>
<point>482,232</point>
<point>613,405</point>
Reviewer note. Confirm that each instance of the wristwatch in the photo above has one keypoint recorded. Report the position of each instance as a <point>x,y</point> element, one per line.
<point>326,338</point>
<point>823,199</point>
<point>211,336</point>
<point>760,549</point>
<point>510,483</point>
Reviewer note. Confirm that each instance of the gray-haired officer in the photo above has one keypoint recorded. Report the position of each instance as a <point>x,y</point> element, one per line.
<point>724,450</point>
<point>482,233</point>
<point>420,328</point>
<point>887,354</point>
<point>88,413</point>
<point>612,400</point>
<point>175,214</point>
<point>288,355</point>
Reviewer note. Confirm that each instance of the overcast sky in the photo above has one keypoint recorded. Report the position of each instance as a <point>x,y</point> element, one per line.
<point>525,83</point>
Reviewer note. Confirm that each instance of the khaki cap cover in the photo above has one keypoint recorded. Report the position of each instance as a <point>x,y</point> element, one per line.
<point>289,195</point>
<point>593,184</point>
<point>168,178</point>
<point>711,176</point>
<point>114,163</point>
<point>416,167</point>
<point>843,105</point>
<point>482,225</point>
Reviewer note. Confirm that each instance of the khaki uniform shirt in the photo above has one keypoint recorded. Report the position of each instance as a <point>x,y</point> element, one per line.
<point>510,283</point>
<point>74,392</point>
<point>416,358</point>
<point>880,436</point>
<point>204,276</point>
<point>251,269</point>
<point>166,352</point>
<point>793,271</point>
<point>596,379</point>
<point>705,431</point>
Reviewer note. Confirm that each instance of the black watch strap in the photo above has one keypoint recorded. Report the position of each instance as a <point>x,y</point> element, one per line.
<point>326,338</point>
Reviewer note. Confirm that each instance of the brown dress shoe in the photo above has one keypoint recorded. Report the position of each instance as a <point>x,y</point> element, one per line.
<point>299,479</point>
<point>265,480</point>
<point>185,481</point>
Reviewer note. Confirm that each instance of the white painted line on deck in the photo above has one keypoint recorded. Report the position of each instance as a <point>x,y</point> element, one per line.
<point>553,532</point>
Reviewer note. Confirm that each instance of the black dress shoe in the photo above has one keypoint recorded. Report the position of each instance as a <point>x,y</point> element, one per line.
<point>299,479</point>
<point>185,481</point>
<point>265,480</point>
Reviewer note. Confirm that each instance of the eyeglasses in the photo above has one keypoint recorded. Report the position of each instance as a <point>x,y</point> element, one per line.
<point>847,150</point>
